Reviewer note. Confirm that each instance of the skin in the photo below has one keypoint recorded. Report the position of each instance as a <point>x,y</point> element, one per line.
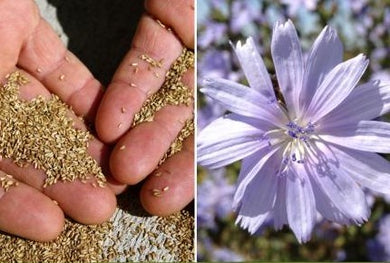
<point>31,46</point>
<point>146,143</point>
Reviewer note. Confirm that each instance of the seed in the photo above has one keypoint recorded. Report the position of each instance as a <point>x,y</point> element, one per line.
<point>62,77</point>
<point>39,70</point>
<point>136,70</point>
<point>151,61</point>
<point>55,202</point>
<point>132,85</point>
<point>134,64</point>
<point>67,59</point>
<point>161,24</point>
<point>166,188</point>
<point>43,135</point>
<point>123,109</point>
<point>158,174</point>
<point>120,125</point>
<point>122,147</point>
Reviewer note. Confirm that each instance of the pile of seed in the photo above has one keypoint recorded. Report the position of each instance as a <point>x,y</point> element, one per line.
<point>127,237</point>
<point>172,92</point>
<point>6,181</point>
<point>77,243</point>
<point>151,239</point>
<point>40,132</point>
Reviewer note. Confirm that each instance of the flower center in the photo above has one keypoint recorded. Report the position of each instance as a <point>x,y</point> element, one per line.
<point>302,133</point>
<point>299,140</point>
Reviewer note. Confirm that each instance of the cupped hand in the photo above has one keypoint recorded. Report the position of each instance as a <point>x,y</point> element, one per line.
<point>161,34</point>
<point>29,45</point>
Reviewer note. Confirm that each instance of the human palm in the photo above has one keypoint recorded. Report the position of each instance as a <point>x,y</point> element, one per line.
<point>162,33</point>
<point>29,45</point>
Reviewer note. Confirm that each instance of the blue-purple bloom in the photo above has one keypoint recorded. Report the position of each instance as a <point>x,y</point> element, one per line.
<point>379,247</point>
<point>309,151</point>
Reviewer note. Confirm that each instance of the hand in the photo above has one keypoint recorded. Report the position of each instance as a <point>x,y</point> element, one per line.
<point>29,45</point>
<point>146,143</point>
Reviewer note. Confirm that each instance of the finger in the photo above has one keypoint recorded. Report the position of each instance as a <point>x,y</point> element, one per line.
<point>17,22</point>
<point>176,14</point>
<point>82,202</point>
<point>26,212</point>
<point>46,58</point>
<point>139,151</point>
<point>136,79</point>
<point>171,187</point>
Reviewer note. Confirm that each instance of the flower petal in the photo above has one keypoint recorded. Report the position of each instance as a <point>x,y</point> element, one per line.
<point>365,102</point>
<point>244,101</point>
<point>254,68</point>
<point>336,184</point>
<point>251,223</point>
<point>336,86</point>
<point>368,169</point>
<point>300,204</point>
<point>326,207</point>
<point>370,136</point>
<point>325,54</point>
<point>279,211</point>
<point>262,164</point>
<point>228,139</point>
<point>287,56</point>
<point>257,198</point>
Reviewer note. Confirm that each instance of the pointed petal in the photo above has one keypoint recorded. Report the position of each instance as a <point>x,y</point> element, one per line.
<point>326,207</point>
<point>325,54</point>
<point>242,100</point>
<point>336,86</point>
<point>336,184</point>
<point>228,139</point>
<point>251,223</point>
<point>300,204</point>
<point>365,102</point>
<point>368,169</point>
<point>267,163</point>
<point>260,193</point>
<point>287,56</point>
<point>279,211</point>
<point>370,136</point>
<point>254,68</point>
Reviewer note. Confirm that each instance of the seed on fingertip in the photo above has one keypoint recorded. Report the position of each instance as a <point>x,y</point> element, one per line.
<point>132,85</point>
<point>62,77</point>
<point>120,125</point>
<point>160,23</point>
<point>158,173</point>
<point>123,109</point>
<point>39,70</point>
<point>166,188</point>
<point>67,59</point>
<point>55,202</point>
<point>134,64</point>
<point>122,147</point>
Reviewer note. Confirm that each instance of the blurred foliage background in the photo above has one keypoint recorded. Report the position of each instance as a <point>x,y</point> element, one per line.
<point>364,27</point>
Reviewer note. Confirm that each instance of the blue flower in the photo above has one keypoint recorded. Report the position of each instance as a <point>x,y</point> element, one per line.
<point>309,151</point>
